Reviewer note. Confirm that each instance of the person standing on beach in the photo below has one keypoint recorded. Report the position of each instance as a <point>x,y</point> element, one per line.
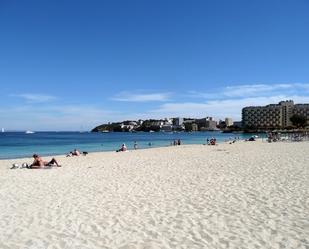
<point>135,145</point>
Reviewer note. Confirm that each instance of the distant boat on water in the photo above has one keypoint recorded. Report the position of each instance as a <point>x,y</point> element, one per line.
<point>29,132</point>
<point>2,130</point>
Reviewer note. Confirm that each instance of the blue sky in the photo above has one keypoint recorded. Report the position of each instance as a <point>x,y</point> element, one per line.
<point>71,64</point>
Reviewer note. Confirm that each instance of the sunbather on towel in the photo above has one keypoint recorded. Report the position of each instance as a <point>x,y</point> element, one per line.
<point>75,152</point>
<point>40,163</point>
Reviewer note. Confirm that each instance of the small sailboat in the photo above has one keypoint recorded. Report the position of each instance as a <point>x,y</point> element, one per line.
<point>2,130</point>
<point>29,132</point>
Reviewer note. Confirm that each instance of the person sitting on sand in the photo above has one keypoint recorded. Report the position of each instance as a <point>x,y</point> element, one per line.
<point>123,148</point>
<point>39,163</point>
<point>76,153</point>
<point>213,141</point>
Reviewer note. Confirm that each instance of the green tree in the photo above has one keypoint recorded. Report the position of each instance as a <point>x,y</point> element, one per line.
<point>298,120</point>
<point>188,126</point>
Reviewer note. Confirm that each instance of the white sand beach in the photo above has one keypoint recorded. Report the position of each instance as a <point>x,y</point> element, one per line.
<point>244,195</point>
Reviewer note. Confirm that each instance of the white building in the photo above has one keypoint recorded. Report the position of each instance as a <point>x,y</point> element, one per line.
<point>228,122</point>
<point>178,121</point>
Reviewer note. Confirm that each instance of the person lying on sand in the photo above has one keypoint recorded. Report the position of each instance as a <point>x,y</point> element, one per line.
<point>39,163</point>
<point>75,152</point>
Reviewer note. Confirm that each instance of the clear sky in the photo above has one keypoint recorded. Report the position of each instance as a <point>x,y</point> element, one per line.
<point>71,65</point>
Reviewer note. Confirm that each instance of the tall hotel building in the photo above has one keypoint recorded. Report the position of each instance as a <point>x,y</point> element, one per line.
<point>273,115</point>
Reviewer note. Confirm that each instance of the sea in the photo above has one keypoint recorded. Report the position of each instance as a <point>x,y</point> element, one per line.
<point>20,144</point>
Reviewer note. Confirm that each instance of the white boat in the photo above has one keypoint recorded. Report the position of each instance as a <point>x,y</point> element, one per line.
<point>29,132</point>
<point>2,130</point>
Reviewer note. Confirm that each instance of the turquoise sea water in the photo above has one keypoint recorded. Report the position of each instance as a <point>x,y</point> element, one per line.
<point>19,144</point>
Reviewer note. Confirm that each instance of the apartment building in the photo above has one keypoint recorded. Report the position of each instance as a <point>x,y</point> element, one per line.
<point>302,110</point>
<point>273,115</point>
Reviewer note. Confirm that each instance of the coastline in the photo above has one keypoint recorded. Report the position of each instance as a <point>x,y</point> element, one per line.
<point>61,156</point>
<point>242,195</point>
<point>54,144</point>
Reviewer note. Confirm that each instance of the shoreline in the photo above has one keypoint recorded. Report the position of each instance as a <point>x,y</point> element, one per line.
<point>130,150</point>
<point>29,159</point>
<point>89,153</point>
<point>259,140</point>
<point>97,153</point>
<point>50,144</point>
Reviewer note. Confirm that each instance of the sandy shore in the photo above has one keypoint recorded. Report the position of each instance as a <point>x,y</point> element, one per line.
<point>244,195</point>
